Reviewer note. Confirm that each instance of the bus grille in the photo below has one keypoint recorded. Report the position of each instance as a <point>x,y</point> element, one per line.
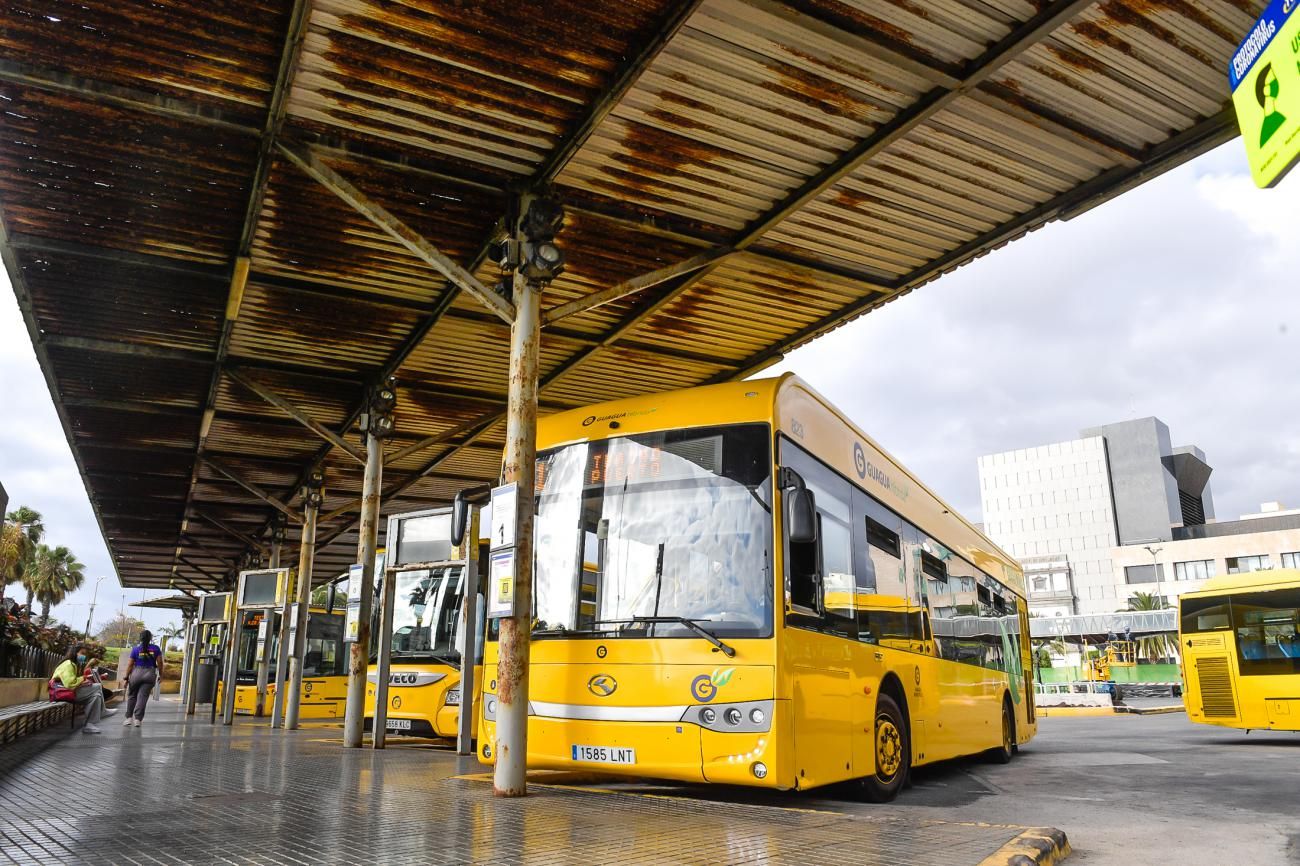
<point>1216,688</point>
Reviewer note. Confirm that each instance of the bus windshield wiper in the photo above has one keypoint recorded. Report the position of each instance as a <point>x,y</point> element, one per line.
<point>693,625</point>
<point>426,654</point>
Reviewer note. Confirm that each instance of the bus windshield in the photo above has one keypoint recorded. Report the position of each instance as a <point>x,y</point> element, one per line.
<point>668,525</point>
<point>426,609</point>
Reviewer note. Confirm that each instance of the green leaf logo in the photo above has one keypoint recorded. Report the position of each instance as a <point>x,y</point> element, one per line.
<point>721,678</point>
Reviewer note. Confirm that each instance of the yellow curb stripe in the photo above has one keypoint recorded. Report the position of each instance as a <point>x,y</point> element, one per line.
<point>1042,846</point>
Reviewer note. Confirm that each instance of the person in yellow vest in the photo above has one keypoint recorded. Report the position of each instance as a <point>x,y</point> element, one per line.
<point>71,675</point>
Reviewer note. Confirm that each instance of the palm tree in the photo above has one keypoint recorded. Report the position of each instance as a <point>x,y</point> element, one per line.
<point>55,572</point>
<point>1156,646</point>
<point>170,633</point>
<point>23,531</point>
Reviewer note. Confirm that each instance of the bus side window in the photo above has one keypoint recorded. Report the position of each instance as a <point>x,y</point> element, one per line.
<point>820,574</point>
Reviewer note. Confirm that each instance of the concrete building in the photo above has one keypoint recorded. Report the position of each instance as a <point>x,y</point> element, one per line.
<point>1063,509</point>
<point>1256,542</point>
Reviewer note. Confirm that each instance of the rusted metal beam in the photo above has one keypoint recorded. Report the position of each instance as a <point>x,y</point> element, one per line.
<point>252,488</point>
<point>290,51</point>
<point>227,528</point>
<point>927,106</point>
<point>1199,139</point>
<point>623,80</point>
<point>438,438</point>
<point>885,135</point>
<point>119,347</point>
<point>119,96</point>
<point>201,570</point>
<point>634,285</point>
<point>147,261</point>
<point>297,414</point>
<point>416,243</point>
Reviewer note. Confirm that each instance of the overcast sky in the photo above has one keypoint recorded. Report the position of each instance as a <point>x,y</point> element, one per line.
<point>1179,300</point>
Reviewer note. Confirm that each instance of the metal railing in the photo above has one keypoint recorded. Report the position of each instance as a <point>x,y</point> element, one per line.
<point>1079,687</point>
<point>27,661</point>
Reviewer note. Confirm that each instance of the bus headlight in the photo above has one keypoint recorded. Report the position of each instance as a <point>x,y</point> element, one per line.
<point>732,715</point>
<point>708,715</point>
<point>757,716</point>
<point>759,769</point>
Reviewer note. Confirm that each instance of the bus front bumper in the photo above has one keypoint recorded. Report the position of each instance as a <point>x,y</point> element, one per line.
<point>678,751</point>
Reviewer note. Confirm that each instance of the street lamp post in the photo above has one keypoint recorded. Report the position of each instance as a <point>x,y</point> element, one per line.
<point>1155,568</point>
<point>93,598</point>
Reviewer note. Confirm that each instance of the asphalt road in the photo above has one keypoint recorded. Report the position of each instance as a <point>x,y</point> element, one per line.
<point>1129,789</point>
<point>1125,789</point>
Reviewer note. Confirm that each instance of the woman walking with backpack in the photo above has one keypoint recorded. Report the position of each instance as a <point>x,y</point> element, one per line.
<point>142,671</point>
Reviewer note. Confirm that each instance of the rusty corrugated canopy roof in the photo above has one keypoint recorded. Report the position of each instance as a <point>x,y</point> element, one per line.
<point>816,158</point>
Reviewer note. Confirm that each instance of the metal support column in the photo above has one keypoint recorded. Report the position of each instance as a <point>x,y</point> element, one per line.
<point>230,664</point>
<point>379,726</point>
<point>313,497</point>
<point>471,625</point>
<point>268,618</point>
<point>511,748</point>
<point>377,422</point>
<point>199,634</point>
<point>187,658</point>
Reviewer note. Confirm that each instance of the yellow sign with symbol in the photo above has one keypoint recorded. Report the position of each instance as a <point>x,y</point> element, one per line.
<point>1265,78</point>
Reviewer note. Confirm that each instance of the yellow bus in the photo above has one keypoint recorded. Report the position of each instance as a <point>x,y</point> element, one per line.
<point>1240,642</point>
<point>734,584</point>
<point>325,663</point>
<point>424,681</point>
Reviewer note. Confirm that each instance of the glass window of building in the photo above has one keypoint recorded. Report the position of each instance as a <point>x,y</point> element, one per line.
<point>1143,573</point>
<point>1199,569</point>
<point>1246,564</point>
<point>1291,560</point>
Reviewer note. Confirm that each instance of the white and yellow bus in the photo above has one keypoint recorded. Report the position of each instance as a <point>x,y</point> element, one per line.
<point>1240,643</point>
<point>734,584</point>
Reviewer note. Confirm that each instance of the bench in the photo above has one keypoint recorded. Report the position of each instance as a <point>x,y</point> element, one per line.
<point>22,719</point>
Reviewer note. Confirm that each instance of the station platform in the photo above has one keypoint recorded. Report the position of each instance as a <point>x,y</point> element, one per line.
<point>180,791</point>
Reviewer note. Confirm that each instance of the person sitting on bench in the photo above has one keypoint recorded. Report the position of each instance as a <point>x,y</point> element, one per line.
<point>89,695</point>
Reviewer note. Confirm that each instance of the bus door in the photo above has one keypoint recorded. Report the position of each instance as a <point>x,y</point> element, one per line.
<point>821,636</point>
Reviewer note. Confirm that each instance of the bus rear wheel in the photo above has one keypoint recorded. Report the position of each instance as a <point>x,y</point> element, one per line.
<point>1002,753</point>
<point>893,753</point>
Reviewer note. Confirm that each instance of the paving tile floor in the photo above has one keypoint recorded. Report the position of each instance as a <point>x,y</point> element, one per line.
<point>182,791</point>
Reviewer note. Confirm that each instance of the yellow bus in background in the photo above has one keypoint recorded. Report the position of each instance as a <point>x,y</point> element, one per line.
<point>734,584</point>
<point>424,679</point>
<point>1240,643</point>
<point>325,663</point>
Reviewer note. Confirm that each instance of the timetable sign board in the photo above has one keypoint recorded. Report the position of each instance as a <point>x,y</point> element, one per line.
<point>1264,73</point>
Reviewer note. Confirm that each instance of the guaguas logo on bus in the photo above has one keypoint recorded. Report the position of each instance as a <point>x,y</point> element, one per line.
<point>602,685</point>
<point>705,687</point>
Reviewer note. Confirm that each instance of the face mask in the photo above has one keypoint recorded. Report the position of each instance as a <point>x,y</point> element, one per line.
<point>81,658</point>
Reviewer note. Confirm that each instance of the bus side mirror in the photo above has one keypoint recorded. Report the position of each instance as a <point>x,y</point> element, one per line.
<point>459,518</point>
<point>801,516</point>
<point>460,510</point>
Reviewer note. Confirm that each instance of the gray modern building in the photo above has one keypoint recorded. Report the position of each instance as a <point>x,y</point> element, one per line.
<point>1062,509</point>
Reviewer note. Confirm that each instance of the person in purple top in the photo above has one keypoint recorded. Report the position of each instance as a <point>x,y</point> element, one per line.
<point>142,671</point>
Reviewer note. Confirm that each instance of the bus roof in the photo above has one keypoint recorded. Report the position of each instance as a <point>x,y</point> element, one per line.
<point>1253,580</point>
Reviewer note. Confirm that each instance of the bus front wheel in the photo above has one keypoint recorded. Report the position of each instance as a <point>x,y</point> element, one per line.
<point>893,752</point>
<point>1002,753</point>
